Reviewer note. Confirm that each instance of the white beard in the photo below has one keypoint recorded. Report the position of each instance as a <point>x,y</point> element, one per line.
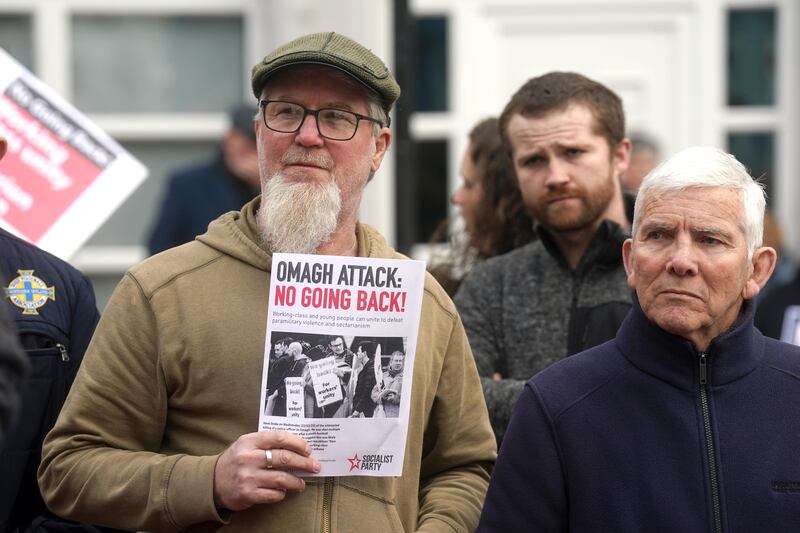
<point>298,217</point>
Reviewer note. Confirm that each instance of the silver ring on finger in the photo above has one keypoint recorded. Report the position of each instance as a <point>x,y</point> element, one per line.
<point>268,456</point>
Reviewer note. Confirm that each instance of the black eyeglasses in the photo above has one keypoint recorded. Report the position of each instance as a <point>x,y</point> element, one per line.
<point>333,124</point>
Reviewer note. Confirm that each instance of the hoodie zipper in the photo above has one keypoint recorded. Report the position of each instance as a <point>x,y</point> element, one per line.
<point>327,503</point>
<point>712,463</point>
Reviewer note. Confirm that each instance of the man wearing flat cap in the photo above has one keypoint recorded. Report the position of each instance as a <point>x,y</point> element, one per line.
<point>158,431</point>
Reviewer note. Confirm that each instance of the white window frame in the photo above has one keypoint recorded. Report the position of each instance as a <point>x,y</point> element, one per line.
<point>52,49</point>
<point>267,23</point>
<point>780,119</point>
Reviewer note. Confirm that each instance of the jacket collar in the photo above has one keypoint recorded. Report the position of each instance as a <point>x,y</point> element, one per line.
<point>604,249</point>
<point>731,355</point>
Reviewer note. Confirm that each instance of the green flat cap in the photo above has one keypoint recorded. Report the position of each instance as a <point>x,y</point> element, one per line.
<point>332,50</point>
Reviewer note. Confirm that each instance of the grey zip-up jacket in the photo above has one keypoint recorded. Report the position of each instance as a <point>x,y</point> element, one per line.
<point>526,309</point>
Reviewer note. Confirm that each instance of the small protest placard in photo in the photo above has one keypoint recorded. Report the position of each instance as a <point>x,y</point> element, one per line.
<point>294,398</point>
<point>327,386</point>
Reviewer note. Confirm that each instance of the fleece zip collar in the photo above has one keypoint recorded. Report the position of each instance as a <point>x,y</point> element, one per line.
<point>673,359</point>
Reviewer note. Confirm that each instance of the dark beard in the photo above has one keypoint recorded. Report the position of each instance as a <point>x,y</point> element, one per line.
<point>593,204</point>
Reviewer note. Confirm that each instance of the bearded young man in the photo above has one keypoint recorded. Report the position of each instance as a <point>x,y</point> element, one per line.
<point>565,292</point>
<point>157,434</point>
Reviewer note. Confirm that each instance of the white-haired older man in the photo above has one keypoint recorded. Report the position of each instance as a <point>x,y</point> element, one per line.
<point>689,420</point>
<point>158,432</point>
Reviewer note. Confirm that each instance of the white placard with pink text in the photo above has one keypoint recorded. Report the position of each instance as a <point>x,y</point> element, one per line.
<point>339,358</point>
<point>62,176</point>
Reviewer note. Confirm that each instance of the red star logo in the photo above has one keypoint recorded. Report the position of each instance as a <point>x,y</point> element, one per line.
<point>355,462</point>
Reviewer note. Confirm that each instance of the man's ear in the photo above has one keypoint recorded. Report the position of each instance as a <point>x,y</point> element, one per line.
<point>764,261</point>
<point>621,157</point>
<point>382,142</point>
<point>627,260</point>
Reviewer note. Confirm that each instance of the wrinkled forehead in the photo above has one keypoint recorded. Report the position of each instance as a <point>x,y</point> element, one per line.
<point>714,207</point>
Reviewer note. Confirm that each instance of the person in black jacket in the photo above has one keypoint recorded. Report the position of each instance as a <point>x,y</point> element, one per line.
<point>54,311</point>
<point>12,360</point>
<point>778,313</point>
<point>12,369</point>
<point>195,196</point>
<point>364,376</point>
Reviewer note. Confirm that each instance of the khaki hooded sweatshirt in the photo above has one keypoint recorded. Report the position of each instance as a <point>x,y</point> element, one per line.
<point>173,375</point>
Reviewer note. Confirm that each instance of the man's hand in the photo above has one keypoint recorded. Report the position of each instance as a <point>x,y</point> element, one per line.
<point>241,476</point>
<point>387,394</point>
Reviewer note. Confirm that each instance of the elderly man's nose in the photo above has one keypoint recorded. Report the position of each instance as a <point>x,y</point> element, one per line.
<point>682,260</point>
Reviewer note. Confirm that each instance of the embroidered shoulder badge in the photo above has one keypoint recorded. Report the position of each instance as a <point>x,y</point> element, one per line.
<point>29,292</point>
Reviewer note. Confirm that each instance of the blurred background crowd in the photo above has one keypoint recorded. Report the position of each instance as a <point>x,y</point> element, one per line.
<point>166,79</point>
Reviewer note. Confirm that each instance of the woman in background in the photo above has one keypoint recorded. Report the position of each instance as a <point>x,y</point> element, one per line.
<point>494,217</point>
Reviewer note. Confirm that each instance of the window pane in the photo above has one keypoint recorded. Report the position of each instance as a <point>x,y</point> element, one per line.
<point>431,186</point>
<point>756,152</point>
<point>430,80</point>
<point>157,63</point>
<point>132,222</point>
<point>15,38</point>
<point>751,57</point>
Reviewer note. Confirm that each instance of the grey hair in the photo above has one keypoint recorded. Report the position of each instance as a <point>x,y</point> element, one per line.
<point>374,104</point>
<point>702,166</point>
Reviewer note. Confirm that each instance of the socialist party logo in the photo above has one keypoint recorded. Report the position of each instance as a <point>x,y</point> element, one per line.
<point>369,461</point>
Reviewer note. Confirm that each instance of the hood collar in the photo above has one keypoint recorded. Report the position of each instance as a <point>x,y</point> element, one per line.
<point>236,234</point>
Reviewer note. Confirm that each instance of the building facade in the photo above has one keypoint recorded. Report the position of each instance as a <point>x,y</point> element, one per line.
<point>160,75</point>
